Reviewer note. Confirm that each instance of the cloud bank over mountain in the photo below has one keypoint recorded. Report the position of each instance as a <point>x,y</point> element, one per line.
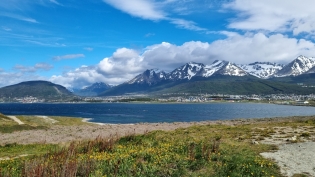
<point>126,63</point>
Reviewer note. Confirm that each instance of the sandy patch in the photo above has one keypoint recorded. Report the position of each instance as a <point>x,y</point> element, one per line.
<point>296,158</point>
<point>63,134</point>
<point>16,120</point>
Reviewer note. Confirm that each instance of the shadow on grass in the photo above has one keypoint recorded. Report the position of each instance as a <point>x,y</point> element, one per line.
<point>13,128</point>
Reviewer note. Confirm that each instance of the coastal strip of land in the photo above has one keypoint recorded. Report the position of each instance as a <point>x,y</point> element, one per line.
<point>59,133</point>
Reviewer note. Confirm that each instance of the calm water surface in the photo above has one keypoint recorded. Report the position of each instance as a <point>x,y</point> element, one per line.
<point>135,113</point>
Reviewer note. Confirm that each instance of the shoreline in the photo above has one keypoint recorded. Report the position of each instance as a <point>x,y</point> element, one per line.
<point>219,121</point>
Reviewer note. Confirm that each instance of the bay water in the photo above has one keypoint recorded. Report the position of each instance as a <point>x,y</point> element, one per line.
<point>124,113</point>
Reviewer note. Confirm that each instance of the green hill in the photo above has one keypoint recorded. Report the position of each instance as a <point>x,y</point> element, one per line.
<point>39,89</point>
<point>306,79</point>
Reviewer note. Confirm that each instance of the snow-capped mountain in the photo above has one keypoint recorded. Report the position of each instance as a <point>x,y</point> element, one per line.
<point>150,77</point>
<point>92,90</point>
<point>230,69</point>
<point>262,70</point>
<point>209,70</point>
<point>312,70</point>
<point>97,86</point>
<point>297,67</point>
<point>187,71</point>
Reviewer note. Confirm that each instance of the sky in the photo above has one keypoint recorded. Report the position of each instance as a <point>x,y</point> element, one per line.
<point>77,43</point>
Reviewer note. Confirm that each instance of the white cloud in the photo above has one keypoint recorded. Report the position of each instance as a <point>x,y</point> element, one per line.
<point>274,16</point>
<point>126,63</point>
<point>6,28</point>
<point>10,78</point>
<point>32,69</point>
<point>43,66</point>
<point>88,49</point>
<point>79,77</point>
<point>154,10</point>
<point>55,2</point>
<point>145,9</point>
<point>149,34</point>
<point>19,17</point>
<point>190,25</point>
<point>68,57</point>
<point>123,65</point>
<point>259,47</point>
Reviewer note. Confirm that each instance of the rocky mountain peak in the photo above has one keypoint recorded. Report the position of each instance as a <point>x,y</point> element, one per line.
<point>298,66</point>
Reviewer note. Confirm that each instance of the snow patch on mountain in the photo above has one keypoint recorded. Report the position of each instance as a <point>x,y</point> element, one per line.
<point>187,71</point>
<point>263,70</point>
<point>150,77</point>
<point>230,69</point>
<point>214,67</point>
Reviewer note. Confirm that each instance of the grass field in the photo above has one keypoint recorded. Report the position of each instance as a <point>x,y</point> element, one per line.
<point>7,125</point>
<point>207,150</point>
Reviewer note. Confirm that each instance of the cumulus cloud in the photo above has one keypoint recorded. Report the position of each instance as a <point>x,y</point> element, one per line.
<point>79,77</point>
<point>260,47</point>
<point>274,16</point>
<point>123,61</point>
<point>68,57</point>
<point>124,64</point>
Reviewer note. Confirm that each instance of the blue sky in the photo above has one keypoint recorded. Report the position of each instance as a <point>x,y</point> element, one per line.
<point>76,43</point>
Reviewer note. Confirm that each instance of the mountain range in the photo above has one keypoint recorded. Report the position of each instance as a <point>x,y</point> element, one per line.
<point>263,70</point>
<point>226,72</point>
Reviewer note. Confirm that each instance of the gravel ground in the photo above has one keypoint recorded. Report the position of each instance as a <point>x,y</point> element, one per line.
<point>296,158</point>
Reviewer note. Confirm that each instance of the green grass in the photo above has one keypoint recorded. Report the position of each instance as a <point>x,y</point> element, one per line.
<point>208,150</point>
<point>69,121</point>
<point>7,125</point>
<point>195,151</point>
<point>15,150</point>
<point>38,121</point>
<point>3,117</point>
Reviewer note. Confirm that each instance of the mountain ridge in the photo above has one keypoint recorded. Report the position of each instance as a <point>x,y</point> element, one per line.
<point>263,70</point>
<point>154,80</point>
